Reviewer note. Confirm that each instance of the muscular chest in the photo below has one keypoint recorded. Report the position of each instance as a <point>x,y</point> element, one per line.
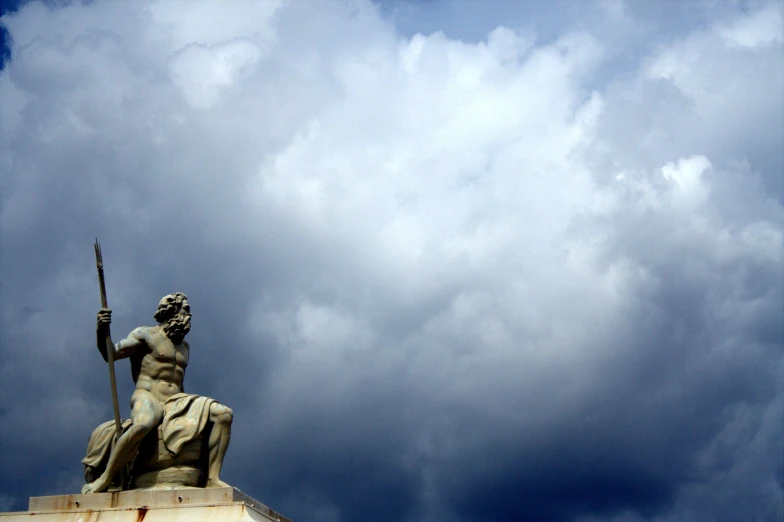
<point>163,351</point>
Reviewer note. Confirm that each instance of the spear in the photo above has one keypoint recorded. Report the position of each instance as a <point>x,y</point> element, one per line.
<point>109,344</point>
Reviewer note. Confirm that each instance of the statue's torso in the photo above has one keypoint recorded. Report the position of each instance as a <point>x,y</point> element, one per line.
<point>160,369</point>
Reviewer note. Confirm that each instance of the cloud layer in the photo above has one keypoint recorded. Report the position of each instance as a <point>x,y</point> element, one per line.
<point>436,279</point>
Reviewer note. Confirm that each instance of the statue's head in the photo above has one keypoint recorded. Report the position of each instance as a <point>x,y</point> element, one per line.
<point>174,314</point>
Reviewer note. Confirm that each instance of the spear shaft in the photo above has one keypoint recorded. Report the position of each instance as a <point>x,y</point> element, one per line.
<point>109,344</point>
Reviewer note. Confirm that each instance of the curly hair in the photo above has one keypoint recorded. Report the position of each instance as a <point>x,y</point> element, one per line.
<point>169,306</point>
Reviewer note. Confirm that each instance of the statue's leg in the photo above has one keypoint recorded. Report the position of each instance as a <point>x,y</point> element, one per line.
<point>220,434</point>
<point>146,413</point>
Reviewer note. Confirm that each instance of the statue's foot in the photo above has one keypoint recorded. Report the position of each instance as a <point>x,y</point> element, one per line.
<point>217,483</point>
<point>96,486</point>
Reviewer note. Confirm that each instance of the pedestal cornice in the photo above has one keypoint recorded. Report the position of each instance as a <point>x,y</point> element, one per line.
<point>192,504</point>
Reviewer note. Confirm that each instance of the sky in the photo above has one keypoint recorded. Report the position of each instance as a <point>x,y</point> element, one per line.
<point>447,260</point>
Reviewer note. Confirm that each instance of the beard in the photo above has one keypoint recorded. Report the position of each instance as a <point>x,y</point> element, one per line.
<point>177,328</point>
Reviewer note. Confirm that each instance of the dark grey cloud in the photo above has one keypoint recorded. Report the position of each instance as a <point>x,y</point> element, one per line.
<point>437,276</point>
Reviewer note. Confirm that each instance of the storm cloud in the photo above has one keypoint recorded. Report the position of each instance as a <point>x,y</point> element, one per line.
<point>444,263</point>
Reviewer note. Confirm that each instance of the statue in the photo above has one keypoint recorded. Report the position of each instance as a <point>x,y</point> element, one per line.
<point>166,435</point>
<point>173,439</point>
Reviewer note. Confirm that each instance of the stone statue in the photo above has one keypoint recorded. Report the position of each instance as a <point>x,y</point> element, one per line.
<point>172,439</point>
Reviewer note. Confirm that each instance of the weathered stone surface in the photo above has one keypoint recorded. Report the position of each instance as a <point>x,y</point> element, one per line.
<point>197,504</point>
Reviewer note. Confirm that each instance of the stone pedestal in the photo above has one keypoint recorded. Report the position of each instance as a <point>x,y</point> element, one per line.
<point>175,505</point>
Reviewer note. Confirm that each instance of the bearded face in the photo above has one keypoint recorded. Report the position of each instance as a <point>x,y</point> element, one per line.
<point>174,315</point>
<point>178,327</point>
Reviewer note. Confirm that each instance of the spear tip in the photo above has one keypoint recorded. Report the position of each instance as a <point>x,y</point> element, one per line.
<point>98,256</point>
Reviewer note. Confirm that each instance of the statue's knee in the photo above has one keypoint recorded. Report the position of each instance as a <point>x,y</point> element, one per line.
<point>146,415</point>
<point>143,424</point>
<point>221,414</point>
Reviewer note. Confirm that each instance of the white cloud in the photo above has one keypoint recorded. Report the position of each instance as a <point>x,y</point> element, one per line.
<point>181,23</point>
<point>204,72</point>
<point>763,27</point>
<point>686,176</point>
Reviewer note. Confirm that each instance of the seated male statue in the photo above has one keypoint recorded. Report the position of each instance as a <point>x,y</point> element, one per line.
<point>172,439</point>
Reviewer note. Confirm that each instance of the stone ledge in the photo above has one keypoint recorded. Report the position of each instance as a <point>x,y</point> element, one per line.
<point>150,505</point>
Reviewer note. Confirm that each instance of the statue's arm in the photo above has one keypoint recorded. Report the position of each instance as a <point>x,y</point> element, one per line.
<point>128,346</point>
<point>187,347</point>
<point>124,348</point>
